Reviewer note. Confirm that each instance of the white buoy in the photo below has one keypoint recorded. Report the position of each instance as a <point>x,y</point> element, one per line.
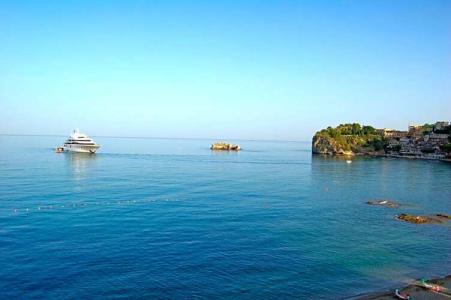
<point>349,161</point>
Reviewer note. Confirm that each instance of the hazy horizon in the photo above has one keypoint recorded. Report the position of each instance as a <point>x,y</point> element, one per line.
<point>308,140</point>
<point>248,70</point>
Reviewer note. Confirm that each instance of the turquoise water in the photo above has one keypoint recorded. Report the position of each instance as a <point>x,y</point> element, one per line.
<point>161,218</point>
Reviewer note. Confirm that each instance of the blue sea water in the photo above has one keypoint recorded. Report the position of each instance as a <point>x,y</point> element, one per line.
<point>170,219</point>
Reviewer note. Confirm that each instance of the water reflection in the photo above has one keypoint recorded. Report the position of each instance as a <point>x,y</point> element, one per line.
<point>80,164</point>
<point>218,153</point>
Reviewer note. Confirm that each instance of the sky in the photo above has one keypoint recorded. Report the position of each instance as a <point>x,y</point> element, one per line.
<point>270,70</point>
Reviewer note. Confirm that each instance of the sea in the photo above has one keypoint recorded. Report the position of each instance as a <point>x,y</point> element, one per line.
<point>152,218</point>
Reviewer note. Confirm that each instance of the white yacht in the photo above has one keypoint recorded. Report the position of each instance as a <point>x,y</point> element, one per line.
<point>80,142</point>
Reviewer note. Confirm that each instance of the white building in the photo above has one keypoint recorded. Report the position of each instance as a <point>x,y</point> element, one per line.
<point>441,125</point>
<point>436,138</point>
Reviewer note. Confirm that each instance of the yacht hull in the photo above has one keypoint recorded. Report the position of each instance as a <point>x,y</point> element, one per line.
<point>81,148</point>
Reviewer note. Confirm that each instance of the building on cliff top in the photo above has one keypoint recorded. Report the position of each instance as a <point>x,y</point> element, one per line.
<point>415,131</point>
<point>391,133</point>
<point>441,125</point>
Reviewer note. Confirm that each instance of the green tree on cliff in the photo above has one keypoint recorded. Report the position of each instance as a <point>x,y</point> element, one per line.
<point>353,136</point>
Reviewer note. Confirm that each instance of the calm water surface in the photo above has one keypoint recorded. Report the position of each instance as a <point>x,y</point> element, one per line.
<point>156,218</point>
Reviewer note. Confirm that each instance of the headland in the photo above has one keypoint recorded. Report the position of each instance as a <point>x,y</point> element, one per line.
<point>428,141</point>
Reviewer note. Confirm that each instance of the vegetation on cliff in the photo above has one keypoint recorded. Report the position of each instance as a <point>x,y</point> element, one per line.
<point>446,148</point>
<point>348,139</point>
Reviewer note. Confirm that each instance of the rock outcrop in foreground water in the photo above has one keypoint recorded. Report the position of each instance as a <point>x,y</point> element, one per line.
<point>385,203</point>
<point>435,219</point>
<point>414,219</point>
<point>417,290</point>
<point>225,146</point>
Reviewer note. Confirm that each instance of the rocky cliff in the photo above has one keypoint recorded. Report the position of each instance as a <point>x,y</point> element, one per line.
<point>328,146</point>
<point>348,140</point>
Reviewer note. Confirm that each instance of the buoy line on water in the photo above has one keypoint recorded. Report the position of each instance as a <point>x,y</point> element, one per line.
<point>83,204</point>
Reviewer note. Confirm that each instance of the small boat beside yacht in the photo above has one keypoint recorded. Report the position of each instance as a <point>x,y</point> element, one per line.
<point>79,142</point>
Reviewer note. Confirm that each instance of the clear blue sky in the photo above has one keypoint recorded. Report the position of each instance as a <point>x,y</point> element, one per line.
<point>222,69</point>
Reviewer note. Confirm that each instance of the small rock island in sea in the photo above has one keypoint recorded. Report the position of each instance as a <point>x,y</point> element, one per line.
<point>428,141</point>
<point>225,146</point>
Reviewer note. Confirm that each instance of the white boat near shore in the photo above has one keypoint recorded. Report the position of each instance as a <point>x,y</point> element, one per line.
<point>80,142</point>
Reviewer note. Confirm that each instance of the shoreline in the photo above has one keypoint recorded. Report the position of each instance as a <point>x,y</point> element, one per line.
<point>414,290</point>
<point>446,160</point>
<point>416,157</point>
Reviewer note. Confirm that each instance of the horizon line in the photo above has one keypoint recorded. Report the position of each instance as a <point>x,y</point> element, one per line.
<point>161,138</point>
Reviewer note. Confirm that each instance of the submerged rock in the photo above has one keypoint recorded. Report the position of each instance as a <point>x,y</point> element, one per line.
<point>383,202</point>
<point>416,290</point>
<point>444,216</point>
<point>225,146</point>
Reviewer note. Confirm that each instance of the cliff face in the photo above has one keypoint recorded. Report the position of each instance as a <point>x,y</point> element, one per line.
<point>328,146</point>
<point>348,140</point>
